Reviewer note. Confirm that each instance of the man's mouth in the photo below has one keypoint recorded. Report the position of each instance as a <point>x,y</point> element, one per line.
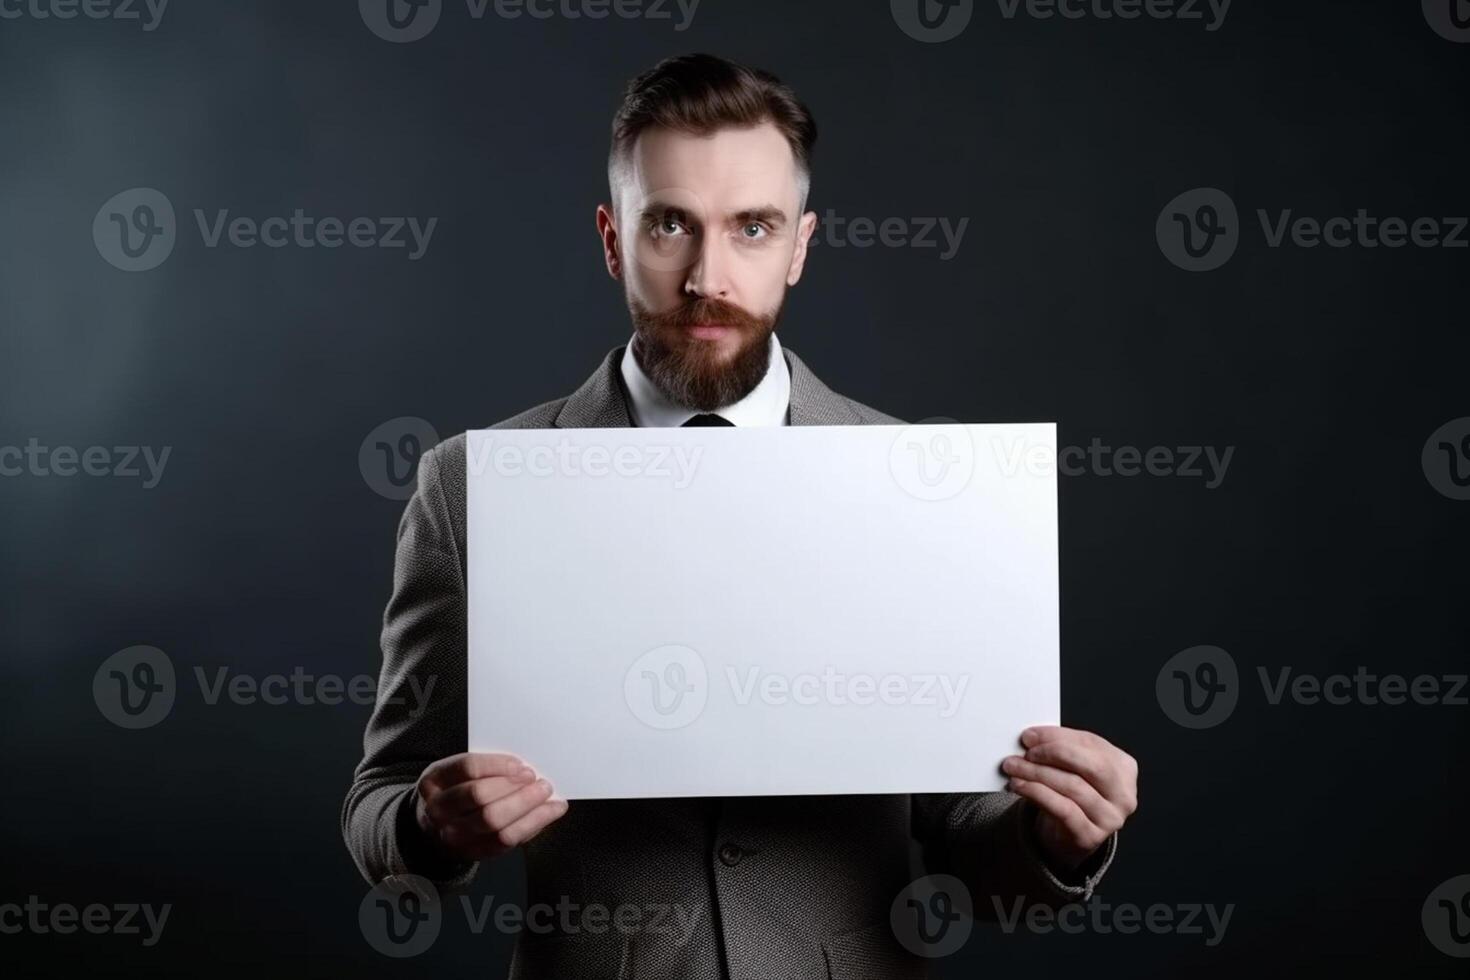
<point>708,331</point>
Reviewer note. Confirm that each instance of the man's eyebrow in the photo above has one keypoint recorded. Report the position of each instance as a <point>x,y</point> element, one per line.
<point>768,213</point>
<point>657,209</point>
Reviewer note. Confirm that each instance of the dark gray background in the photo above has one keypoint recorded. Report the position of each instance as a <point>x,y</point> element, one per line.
<point>263,549</point>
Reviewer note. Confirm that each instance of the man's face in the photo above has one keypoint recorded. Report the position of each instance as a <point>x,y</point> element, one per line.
<point>707,236</point>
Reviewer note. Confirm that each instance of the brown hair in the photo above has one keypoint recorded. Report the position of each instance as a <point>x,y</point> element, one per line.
<point>700,93</point>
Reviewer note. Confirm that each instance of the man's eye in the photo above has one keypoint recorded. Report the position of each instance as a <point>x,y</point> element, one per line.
<point>669,226</point>
<point>754,231</point>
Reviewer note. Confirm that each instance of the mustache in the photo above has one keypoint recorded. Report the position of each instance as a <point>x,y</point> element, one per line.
<point>706,310</point>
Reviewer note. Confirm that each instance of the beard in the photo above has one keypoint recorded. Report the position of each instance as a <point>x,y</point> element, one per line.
<point>694,373</point>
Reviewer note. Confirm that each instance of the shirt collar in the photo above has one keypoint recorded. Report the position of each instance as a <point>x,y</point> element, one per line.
<point>766,404</point>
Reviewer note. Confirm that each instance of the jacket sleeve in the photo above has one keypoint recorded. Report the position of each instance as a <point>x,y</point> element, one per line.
<point>987,840</point>
<point>420,713</point>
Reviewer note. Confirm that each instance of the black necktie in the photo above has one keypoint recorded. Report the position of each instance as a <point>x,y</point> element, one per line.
<point>703,420</point>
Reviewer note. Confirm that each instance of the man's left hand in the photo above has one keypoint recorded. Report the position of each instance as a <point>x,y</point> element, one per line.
<point>1084,788</point>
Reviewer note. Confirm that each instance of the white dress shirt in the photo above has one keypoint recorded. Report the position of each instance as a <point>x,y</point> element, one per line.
<point>766,404</point>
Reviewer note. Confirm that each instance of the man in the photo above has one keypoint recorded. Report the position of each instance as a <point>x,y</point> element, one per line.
<point>709,172</point>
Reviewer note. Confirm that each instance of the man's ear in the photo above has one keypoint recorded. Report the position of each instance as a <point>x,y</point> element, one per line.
<point>804,229</point>
<point>607,230</point>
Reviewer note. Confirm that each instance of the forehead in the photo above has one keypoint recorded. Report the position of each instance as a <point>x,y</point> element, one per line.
<point>726,170</point>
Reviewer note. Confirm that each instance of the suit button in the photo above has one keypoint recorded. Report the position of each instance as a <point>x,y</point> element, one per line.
<point>731,854</point>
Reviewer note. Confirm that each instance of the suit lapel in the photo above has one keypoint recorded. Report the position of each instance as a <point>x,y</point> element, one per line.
<point>602,400</point>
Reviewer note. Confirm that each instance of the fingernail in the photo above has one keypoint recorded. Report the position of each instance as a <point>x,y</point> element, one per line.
<point>1028,736</point>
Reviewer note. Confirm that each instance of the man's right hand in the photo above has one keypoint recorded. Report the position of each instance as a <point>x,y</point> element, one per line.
<point>479,805</point>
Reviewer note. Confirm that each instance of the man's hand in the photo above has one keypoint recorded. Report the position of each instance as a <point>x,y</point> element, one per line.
<point>478,805</point>
<point>1084,787</point>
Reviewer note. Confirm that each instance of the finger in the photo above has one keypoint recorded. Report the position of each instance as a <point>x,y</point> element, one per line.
<point>1037,734</point>
<point>1074,756</point>
<point>449,804</point>
<point>500,813</point>
<point>508,809</point>
<point>534,822</point>
<point>1070,785</point>
<point>1084,833</point>
<point>484,844</point>
<point>466,766</point>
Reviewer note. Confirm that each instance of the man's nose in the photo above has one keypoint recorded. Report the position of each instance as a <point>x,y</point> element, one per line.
<point>709,276</point>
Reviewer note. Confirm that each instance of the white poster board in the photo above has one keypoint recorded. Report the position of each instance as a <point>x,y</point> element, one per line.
<point>762,611</point>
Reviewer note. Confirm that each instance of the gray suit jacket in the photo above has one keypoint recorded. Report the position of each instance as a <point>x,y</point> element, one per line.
<point>791,887</point>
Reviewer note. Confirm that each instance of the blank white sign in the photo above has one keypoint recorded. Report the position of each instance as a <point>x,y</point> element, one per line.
<point>762,611</point>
